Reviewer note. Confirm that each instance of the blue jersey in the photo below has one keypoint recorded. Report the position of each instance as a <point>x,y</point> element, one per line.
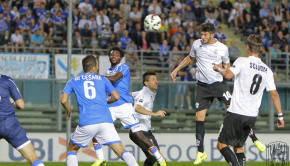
<point>90,90</point>
<point>8,89</point>
<point>123,85</point>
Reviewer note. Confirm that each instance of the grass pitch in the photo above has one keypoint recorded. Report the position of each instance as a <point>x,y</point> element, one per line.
<point>123,164</point>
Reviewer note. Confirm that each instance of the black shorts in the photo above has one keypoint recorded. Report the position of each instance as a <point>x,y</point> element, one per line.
<point>205,94</point>
<point>235,129</point>
<point>140,143</point>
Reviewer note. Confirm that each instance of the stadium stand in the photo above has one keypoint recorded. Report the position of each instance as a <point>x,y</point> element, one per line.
<point>38,27</point>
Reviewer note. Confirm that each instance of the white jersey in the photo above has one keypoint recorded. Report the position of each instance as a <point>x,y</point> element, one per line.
<point>145,98</point>
<point>206,55</point>
<point>252,76</point>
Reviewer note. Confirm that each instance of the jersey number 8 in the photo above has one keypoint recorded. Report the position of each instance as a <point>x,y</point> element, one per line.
<point>89,89</point>
<point>257,79</point>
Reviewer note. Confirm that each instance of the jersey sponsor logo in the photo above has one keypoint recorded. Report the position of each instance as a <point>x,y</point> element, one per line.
<point>141,100</point>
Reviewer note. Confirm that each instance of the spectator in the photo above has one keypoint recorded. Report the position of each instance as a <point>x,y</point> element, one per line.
<point>77,40</point>
<point>210,9</point>
<point>225,9</point>
<point>114,17</point>
<point>102,20</point>
<point>56,8</point>
<point>135,35</point>
<point>45,22</point>
<point>284,29</point>
<point>100,5</point>
<point>94,40</point>
<point>234,51</point>
<point>188,15</point>
<point>154,8</point>
<point>211,19</point>
<point>255,9</point>
<point>236,17</point>
<point>24,8</point>
<point>276,55</point>
<point>164,53</point>
<point>132,55</point>
<point>23,25</point>
<point>37,40</point>
<point>59,23</point>
<point>17,41</point>
<point>135,16</point>
<point>145,45</point>
<point>29,15</point>
<point>264,11</point>
<point>105,35</point>
<point>219,35</point>
<point>241,4</point>
<point>285,9</point>
<point>15,13</point>
<point>41,11</point>
<point>83,21</point>
<point>279,39</point>
<point>247,10</point>
<point>174,19</point>
<point>126,9</point>
<point>278,14</point>
<point>3,25</point>
<point>5,41</point>
<point>86,33</point>
<point>113,40</point>
<point>125,39</point>
<point>190,34</point>
<point>38,3</point>
<point>119,26</point>
<point>199,13</point>
<point>266,43</point>
<point>34,26</point>
<point>85,7</point>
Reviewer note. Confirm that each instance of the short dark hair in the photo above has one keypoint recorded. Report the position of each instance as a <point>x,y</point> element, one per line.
<point>147,75</point>
<point>207,27</point>
<point>254,42</point>
<point>116,49</point>
<point>88,63</point>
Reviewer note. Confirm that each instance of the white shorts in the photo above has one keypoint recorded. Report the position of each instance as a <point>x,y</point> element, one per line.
<point>127,116</point>
<point>105,133</point>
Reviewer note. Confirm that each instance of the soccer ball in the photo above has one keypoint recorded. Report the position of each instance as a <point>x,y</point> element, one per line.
<point>152,22</point>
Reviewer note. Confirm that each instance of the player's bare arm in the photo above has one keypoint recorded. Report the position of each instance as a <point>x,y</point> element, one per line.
<point>114,97</point>
<point>115,77</point>
<point>277,103</point>
<point>182,64</point>
<point>18,103</point>
<point>226,65</point>
<point>228,74</point>
<point>142,110</point>
<point>64,103</point>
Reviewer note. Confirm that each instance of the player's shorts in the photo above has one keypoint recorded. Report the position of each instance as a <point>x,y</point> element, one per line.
<point>127,116</point>
<point>105,133</point>
<point>140,143</point>
<point>205,94</point>
<point>235,129</point>
<point>12,132</point>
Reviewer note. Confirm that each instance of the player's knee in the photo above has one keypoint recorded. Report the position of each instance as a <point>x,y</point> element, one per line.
<point>72,147</point>
<point>220,145</point>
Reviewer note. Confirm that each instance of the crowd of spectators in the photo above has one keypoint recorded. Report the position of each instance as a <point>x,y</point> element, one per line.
<point>40,24</point>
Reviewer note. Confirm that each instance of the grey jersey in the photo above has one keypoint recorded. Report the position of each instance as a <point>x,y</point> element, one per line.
<point>206,55</point>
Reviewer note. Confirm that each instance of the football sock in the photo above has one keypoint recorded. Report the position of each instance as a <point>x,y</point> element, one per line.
<point>37,163</point>
<point>253,135</point>
<point>200,131</point>
<point>71,159</point>
<point>242,158</point>
<point>156,153</point>
<point>230,156</point>
<point>129,158</point>
<point>99,151</point>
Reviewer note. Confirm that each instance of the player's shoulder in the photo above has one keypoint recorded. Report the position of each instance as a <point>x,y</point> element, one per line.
<point>220,45</point>
<point>5,77</point>
<point>197,42</point>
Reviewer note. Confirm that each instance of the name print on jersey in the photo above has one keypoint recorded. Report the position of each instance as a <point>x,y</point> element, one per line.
<point>258,67</point>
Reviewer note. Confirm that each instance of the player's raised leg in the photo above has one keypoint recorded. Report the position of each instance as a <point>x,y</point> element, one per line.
<point>29,154</point>
<point>71,156</point>
<point>228,154</point>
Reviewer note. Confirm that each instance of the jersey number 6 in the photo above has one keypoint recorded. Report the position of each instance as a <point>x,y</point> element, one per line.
<point>89,89</point>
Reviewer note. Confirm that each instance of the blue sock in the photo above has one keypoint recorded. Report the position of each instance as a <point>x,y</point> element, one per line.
<point>36,162</point>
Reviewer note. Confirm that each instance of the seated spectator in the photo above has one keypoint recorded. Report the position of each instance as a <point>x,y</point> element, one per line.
<point>85,7</point>
<point>279,38</point>
<point>188,15</point>
<point>164,53</point>
<point>190,34</point>
<point>234,51</point>
<point>236,18</point>
<point>86,33</point>
<point>225,8</point>
<point>174,19</point>
<point>247,10</point>
<point>125,9</point>
<point>3,25</point>
<point>199,12</point>
<point>125,39</point>
<point>93,23</point>
<point>15,13</point>
<point>119,26</point>
<point>276,56</point>
<point>37,40</point>
<point>23,25</point>
<point>41,11</point>
<point>23,9</point>
<point>284,29</point>
<point>145,45</point>
<point>104,36</point>
<point>94,40</point>
<point>59,23</point>
<point>113,40</point>
<point>29,15</point>
<point>83,21</point>
<point>37,3</point>
<point>135,16</point>
<point>210,9</point>
<point>34,26</point>
<point>211,19</point>
<point>264,11</point>
<point>271,21</point>
<point>17,40</point>
<point>102,20</point>
<point>101,4</point>
<point>266,43</point>
<point>154,8</point>
<point>45,22</point>
<point>135,35</point>
<point>55,9</point>
<point>219,35</point>
<point>131,54</point>
<point>5,41</point>
<point>77,40</point>
<point>278,14</point>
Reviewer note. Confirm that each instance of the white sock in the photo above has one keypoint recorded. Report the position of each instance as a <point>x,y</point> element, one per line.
<point>99,151</point>
<point>156,153</point>
<point>129,159</point>
<point>71,159</point>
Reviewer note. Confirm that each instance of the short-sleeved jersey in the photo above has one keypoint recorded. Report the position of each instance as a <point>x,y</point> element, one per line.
<point>145,98</point>
<point>252,76</point>
<point>90,90</point>
<point>123,85</point>
<point>8,89</point>
<point>206,55</point>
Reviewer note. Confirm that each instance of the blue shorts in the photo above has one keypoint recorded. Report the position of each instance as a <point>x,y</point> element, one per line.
<point>12,131</point>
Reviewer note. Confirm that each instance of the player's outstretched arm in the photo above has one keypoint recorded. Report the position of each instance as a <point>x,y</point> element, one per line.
<point>143,111</point>
<point>64,103</point>
<point>277,103</point>
<point>182,64</point>
<point>114,97</point>
<point>115,77</point>
<point>227,73</point>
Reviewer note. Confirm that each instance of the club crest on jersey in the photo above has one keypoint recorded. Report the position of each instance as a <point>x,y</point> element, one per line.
<point>196,105</point>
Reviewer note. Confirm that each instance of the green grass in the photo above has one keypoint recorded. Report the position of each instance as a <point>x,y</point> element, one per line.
<point>123,164</point>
